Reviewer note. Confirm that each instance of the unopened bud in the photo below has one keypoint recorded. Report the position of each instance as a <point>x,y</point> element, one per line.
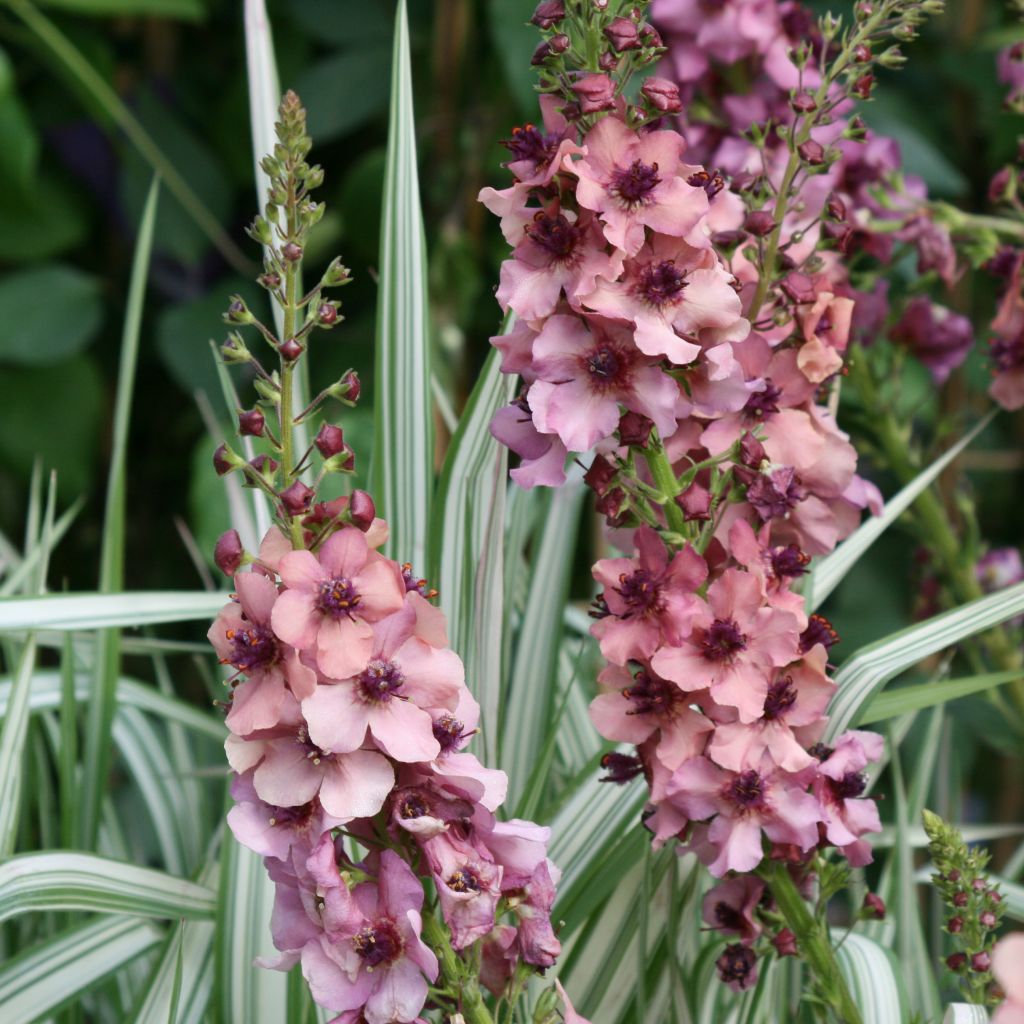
<point>259,231</point>
<point>226,461</point>
<point>759,223</point>
<point>862,53</point>
<point>650,37</point>
<point>956,961</point>
<point>803,103</point>
<point>695,502</point>
<point>608,61</point>
<point>960,899</point>
<point>955,925</point>
<point>270,280</point>
<point>610,504</point>
<point>327,314</point>
<point>751,451</point>
<point>981,962</point>
<point>548,14</point>
<point>874,906</point>
<point>336,274</point>
<point>297,498</point>
<point>347,389</point>
<point>238,312</point>
<point>785,943</point>
<point>361,510</point>
<point>835,208</point>
<point>811,152</point>
<point>622,34</point>
<point>600,475</point>
<point>251,423</point>
<point>892,58</point>
<point>290,350</point>
<point>234,350</point>
<point>987,919</point>
<point>228,553</point>
<point>635,430</point>
<point>662,95</point>
<point>863,86</point>
<point>329,440</point>
<point>595,93</point>
<point>856,130</point>
<point>291,251</point>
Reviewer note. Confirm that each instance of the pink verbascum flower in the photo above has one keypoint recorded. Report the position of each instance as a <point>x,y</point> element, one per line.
<point>402,678</point>
<point>735,643</point>
<point>839,786</point>
<point>333,599</point>
<point>650,598</point>
<point>383,966</point>
<point>729,907</point>
<point>542,456</point>
<point>585,370</point>
<point>1008,968</point>
<point>633,181</point>
<point>242,637</point>
<point>468,886</point>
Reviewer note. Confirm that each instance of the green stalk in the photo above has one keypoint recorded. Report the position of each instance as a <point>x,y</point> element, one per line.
<point>665,480</point>
<point>812,942</point>
<point>464,987</point>
<point>288,331</point>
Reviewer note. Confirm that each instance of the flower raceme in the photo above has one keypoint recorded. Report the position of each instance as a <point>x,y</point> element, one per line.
<point>348,710</point>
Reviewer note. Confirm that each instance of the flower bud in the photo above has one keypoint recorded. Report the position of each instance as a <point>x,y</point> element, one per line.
<point>600,475</point>
<point>228,554</point>
<point>543,51</point>
<point>811,152</point>
<point>798,288</point>
<point>622,34</point>
<point>956,961</point>
<point>238,312</point>
<point>862,53</point>
<point>856,130</point>
<point>751,451</point>
<point>960,899</point>
<point>329,440</point>
<point>259,231</point>
<point>892,58</point>
<point>251,423</point>
<point>327,314</point>
<point>336,274</point>
<point>226,461</point>
<point>978,884</point>
<point>650,36</point>
<point>862,86</point>
<point>803,103</point>
<point>785,943</point>
<point>548,14</point>
<point>271,280</point>
<point>874,906</point>
<point>266,467</point>
<point>361,510</point>
<point>314,177</point>
<point>759,223</point>
<point>234,350</point>
<point>610,503</point>
<point>635,430</point>
<point>695,502</point>
<point>291,251</point>
<point>290,350</point>
<point>662,95</point>
<point>987,919</point>
<point>347,389</point>
<point>981,962</point>
<point>297,498</point>
<point>954,875</point>
<point>835,208</point>
<point>595,93</point>
<point>955,925</point>
<point>608,61</point>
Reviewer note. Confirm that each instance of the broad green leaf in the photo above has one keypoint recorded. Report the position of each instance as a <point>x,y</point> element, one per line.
<point>827,573</point>
<point>468,544</point>
<point>892,703</point>
<point>103,611</point>
<point>875,977</point>
<point>402,472</point>
<point>100,716</point>
<point>58,880</point>
<point>860,678</point>
<point>39,980</point>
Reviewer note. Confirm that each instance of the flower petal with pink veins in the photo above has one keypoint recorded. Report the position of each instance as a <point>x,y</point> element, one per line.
<point>344,553</point>
<point>357,784</point>
<point>301,569</point>
<point>256,703</point>
<point>380,587</point>
<point>398,995</point>
<point>739,844</point>
<point>287,777</point>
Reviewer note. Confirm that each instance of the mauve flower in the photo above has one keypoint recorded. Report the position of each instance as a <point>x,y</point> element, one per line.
<point>825,327</point>
<point>633,181</point>
<point>536,939</point>
<point>729,907</point>
<point>735,644</point>
<point>402,677</point>
<point>737,967</point>
<point>938,337</point>
<point>333,598</point>
<point>741,805</point>
<point>242,637</point>
<point>542,456</point>
<point>839,786</point>
<point>569,1014</point>
<point>649,597</point>
<point>1008,968</point>
<point>383,966</point>
<point>425,811</point>
<point>512,206</point>
<point>586,369</point>
<point>776,566</point>
<point>1006,349</point>
<point>468,886</point>
<point>537,156</point>
<point>999,568</point>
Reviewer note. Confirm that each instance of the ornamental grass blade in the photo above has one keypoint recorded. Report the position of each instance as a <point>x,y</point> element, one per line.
<point>827,573</point>
<point>965,1013</point>
<point>59,880</point>
<point>106,611</point>
<point>100,713</point>
<point>402,471</point>
<point>467,544</point>
<point>37,982</point>
<point>892,704</point>
<point>875,978</point>
<point>867,671</point>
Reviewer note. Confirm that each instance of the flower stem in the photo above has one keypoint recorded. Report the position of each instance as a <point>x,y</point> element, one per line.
<point>812,943</point>
<point>455,979</point>
<point>665,480</point>
<point>291,284</point>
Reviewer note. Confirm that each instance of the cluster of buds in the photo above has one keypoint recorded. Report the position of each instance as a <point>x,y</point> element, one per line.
<point>974,906</point>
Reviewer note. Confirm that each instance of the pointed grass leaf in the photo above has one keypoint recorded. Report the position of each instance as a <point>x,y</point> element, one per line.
<point>965,1013</point>
<point>893,703</point>
<point>875,978</point>
<point>105,611</point>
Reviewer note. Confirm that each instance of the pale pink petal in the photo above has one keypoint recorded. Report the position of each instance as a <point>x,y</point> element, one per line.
<point>336,717</point>
<point>295,618</point>
<point>302,570</point>
<point>287,777</point>
<point>256,703</point>
<point>357,784</point>
<point>257,595</point>
<point>343,647</point>
<point>344,553</point>
<point>404,731</point>
<point>380,587</point>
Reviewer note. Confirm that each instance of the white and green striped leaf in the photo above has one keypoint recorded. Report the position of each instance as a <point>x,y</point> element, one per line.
<point>893,703</point>
<point>39,980</point>
<point>863,676</point>
<point>60,880</point>
<point>965,1013</point>
<point>107,611</point>
<point>875,979</point>
<point>12,748</point>
<point>402,469</point>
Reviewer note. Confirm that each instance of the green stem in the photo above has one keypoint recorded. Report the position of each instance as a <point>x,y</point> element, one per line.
<point>665,480</point>
<point>291,305</point>
<point>812,942</point>
<point>466,989</point>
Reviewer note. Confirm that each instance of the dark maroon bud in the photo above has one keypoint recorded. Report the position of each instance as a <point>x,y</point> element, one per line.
<point>999,189</point>
<point>559,43</point>
<point>759,223</point>
<point>264,465</point>
<point>228,554</point>
<point>862,53</point>
<point>727,239</point>
<point>875,906</point>
<point>297,498</point>
<point>541,53</point>
<point>752,453</point>
<point>981,962</point>
<point>695,502</point>
<point>956,961</point>
<point>954,875</point>
<point>225,460</point>
<point>622,34</point>
<point>863,86</point>
<point>600,475</point>
<point>610,503</point>
<point>803,103</point>
<point>292,251</point>
<point>594,93</point>
<point>994,897</point>
<point>798,288</point>
<point>785,943</point>
<point>811,152</point>
<point>650,36</point>
<point>350,387</point>
<point>608,61</point>
<point>960,899</point>
<point>835,208</point>
<point>361,510</point>
<point>621,768</point>
<point>251,423</point>
<point>548,14</point>
<point>635,430</point>
<point>978,884</point>
<point>329,440</point>
<point>988,919</point>
<point>327,313</point>
<point>786,261</point>
<point>270,280</point>
<point>290,350</point>
<point>955,925</point>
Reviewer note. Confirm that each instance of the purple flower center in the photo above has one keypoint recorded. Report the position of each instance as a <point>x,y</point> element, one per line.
<point>313,753</point>
<point>819,631</point>
<point>464,879</point>
<point>634,184</point>
<point>788,561</point>
<point>252,648</point>
<point>728,918</point>
<point>380,680</point>
<point>650,694</point>
<point>746,790</point>
<point>337,597</point>
<point>603,364</point>
<point>1008,354</point>
<point>736,964</point>
<point>530,143</point>
<point>775,495</point>
<point>639,590</point>
<point>621,767</point>
<point>412,805</point>
<point>556,236</point>
<point>780,698</point>
<point>762,404</point>
<point>292,817</point>
<point>449,732</point>
<point>378,943</point>
<point>660,283</point>
<point>722,640</point>
<point>850,786</point>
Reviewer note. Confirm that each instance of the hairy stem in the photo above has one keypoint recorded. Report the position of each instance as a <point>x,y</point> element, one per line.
<point>454,978</point>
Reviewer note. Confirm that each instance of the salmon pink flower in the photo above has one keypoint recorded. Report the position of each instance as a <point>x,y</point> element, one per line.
<point>1007,347</point>
<point>585,370</point>
<point>243,638</point>
<point>332,600</point>
<point>569,1014</point>
<point>634,181</point>
<point>537,156</point>
<point>736,642</point>
<point>839,786</point>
